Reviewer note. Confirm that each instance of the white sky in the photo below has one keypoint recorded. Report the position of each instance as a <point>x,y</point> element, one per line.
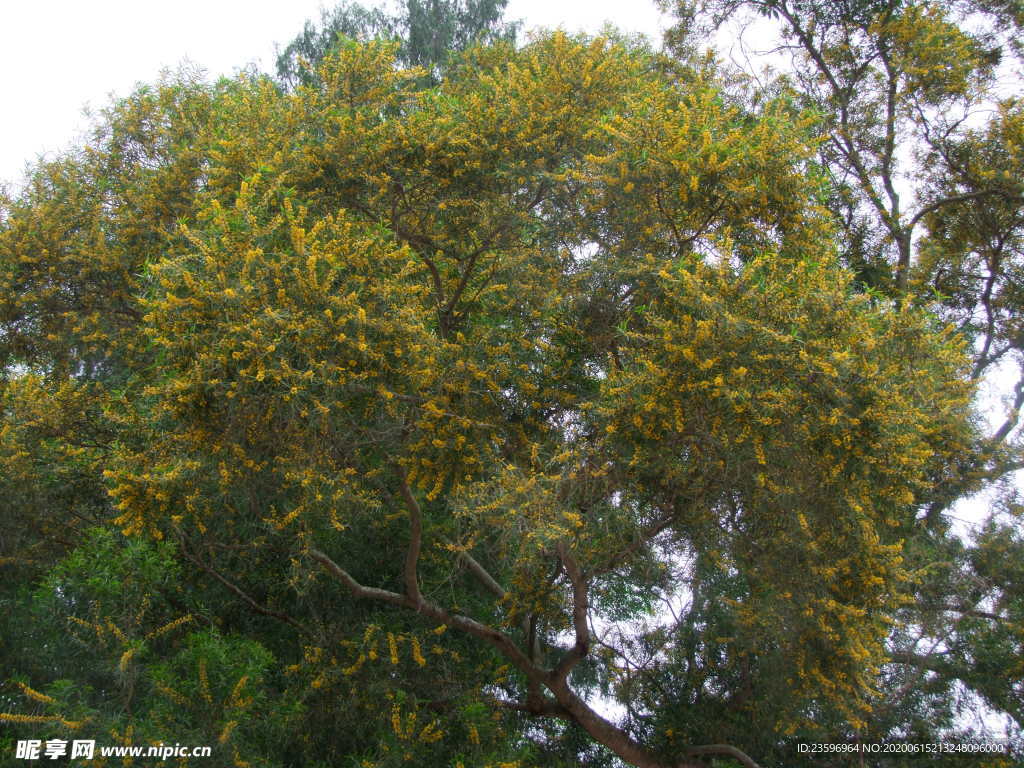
<point>57,56</point>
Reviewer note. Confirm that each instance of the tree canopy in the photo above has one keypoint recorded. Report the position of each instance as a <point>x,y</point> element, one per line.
<point>553,404</point>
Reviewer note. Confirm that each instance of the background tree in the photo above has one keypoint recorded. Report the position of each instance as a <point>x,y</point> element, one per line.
<point>920,113</point>
<point>428,32</point>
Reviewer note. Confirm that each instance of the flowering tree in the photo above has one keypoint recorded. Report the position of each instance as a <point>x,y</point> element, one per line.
<point>531,412</point>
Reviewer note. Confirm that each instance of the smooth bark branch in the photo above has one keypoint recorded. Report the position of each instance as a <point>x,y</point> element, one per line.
<point>920,661</point>
<point>845,143</point>
<point>723,749</point>
<point>483,576</point>
<point>645,537</point>
<point>541,708</point>
<point>255,606</point>
<point>412,554</point>
<point>421,246</point>
<point>499,640</point>
<point>492,586</point>
<point>357,589</point>
<point>1011,421</point>
<point>904,242</point>
<point>252,603</point>
<point>533,637</point>
<point>993,263</point>
<point>952,199</point>
<point>580,611</point>
<point>997,469</point>
<point>929,660</point>
<point>975,613</point>
<point>448,313</point>
<point>606,733</point>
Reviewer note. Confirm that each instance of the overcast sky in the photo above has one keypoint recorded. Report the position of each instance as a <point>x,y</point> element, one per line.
<point>57,56</point>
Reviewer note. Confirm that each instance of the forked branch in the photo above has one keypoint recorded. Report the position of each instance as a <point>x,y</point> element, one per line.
<point>565,704</point>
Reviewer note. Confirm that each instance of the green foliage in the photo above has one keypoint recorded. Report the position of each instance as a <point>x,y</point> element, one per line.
<point>110,647</point>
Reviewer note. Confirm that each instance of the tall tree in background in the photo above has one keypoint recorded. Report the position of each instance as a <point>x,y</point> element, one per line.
<point>428,33</point>
<point>521,411</point>
<point>921,120</point>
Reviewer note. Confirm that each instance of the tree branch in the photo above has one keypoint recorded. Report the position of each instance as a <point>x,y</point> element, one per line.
<point>604,732</point>
<point>543,708</point>
<point>950,200</point>
<point>357,589</point>
<point>974,613</point>
<point>493,637</point>
<point>237,591</point>
<point>580,610</point>
<point>528,622</point>
<point>644,537</point>
<point>723,749</point>
<point>412,554</point>
<point>483,576</point>
<point>1011,420</point>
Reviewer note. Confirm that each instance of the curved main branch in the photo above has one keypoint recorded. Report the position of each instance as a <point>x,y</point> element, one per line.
<point>566,704</point>
<point>412,554</point>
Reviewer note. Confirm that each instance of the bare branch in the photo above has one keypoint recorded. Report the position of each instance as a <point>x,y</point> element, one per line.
<point>566,704</point>
<point>484,577</point>
<point>543,708</point>
<point>723,749</point>
<point>975,613</point>
<point>493,637</point>
<point>993,263</point>
<point>412,554</point>
<point>644,537</point>
<point>606,733</point>
<point>1011,420</point>
<point>357,589</point>
<point>950,200</point>
<point>528,623</point>
<point>580,610</point>
<point>237,591</point>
